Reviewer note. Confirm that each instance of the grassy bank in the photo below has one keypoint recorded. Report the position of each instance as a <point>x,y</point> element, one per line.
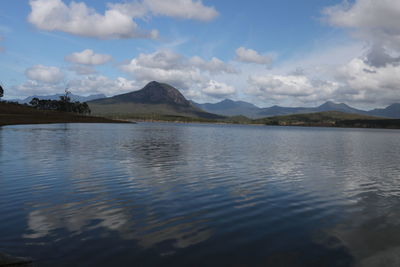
<point>13,114</point>
<point>331,119</point>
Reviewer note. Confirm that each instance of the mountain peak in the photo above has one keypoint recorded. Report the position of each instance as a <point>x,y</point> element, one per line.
<point>226,100</point>
<point>331,104</point>
<point>155,93</point>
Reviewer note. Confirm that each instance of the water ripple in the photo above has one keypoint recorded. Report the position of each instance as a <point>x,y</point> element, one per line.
<point>171,194</point>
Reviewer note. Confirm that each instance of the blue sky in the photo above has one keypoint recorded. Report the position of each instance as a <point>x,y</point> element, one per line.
<point>266,52</point>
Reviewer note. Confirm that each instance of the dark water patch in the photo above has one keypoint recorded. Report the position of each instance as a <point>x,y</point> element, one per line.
<point>199,195</point>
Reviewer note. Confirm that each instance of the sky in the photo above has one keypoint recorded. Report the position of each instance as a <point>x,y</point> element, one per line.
<point>268,52</point>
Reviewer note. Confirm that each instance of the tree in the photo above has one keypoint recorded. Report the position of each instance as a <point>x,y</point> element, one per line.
<point>1,91</point>
<point>64,104</point>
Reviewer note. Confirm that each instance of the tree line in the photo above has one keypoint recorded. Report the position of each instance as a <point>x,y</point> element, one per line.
<point>64,104</point>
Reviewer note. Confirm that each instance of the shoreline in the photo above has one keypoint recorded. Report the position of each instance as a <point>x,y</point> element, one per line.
<point>10,119</point>
<point>15,114</point>
<point>340,124</point>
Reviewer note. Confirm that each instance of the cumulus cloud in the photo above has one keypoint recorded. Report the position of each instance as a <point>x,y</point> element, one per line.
<point>79,19</point>
<point>373,77</point>
<point>251,56</point>
<point>364,83</point>
<point>214,65</point>
<point>376,16</point>
<point>92,84</point>
<point>218,89</point>
<point>88,57</point>
<point>46,74</point>
<point>100,84</point>
<point>186,9</point>
<point>356,82</point>
<point>367,77</point>
<point>182,72</point>
<point>376,22</point>
<point>118,19</point>
<point>298,89</point>
<point>33,87</point>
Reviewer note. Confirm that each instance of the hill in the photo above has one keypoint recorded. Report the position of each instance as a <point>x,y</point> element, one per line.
<point>330,119</point>
<point>392,111</point>
<point>11,114</point>
<point>155,101</point>
<point>229,107</point>
<point>327,106</point>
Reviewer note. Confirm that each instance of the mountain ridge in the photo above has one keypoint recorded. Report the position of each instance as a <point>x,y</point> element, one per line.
<point>161,98</point>
<point>153,100</point>
<point>392,111</point>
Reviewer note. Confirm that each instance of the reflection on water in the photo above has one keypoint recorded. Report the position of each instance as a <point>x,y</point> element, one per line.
<point>200,195</point>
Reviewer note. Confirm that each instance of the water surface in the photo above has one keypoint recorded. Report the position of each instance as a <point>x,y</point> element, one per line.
<point>154,194</point>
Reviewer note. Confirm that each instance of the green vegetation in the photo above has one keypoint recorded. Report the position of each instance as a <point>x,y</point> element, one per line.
<point>327,118</point>
<point>64,105</point>
<point>330,119</point>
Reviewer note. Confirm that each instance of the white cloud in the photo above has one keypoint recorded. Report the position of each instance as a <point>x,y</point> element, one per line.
<point>118,19</point>
<point>214,66</point>
<point>33,87</point>
<point>186,9</point>
<point>251,56</point>
<point>88,57</point>
<point>363,72</point>
<point>162,59</point>
<point>92,84</point>
<point>375,22</point>
<point>46,74</point>
<point>376,16</point>
<point>295,89</point>
<point>218,89</point>
<point>363,83</point>
<point>169,67</point>
<point>100,84</point>
<point>79,19</point>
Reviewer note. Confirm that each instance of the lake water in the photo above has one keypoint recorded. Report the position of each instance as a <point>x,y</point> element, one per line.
<point>157,194</point>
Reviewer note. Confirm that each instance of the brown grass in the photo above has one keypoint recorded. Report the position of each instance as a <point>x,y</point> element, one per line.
<point>12,114</point>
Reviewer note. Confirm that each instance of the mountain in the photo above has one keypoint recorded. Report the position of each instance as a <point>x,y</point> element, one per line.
<point>327,106</point>
<point>331,106</point>
<point>57,97</point>
<point>229,107</point>
<point>154,100</point>
<point>392,111</point>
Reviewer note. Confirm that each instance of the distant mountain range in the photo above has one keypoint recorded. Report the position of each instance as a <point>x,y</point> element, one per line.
<point>229,107</point>
<point>57,97</point>
<point>155,100</point>
<point>160,99</point>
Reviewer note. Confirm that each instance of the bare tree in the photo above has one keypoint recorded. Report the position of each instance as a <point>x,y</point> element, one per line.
<point>1,91</point>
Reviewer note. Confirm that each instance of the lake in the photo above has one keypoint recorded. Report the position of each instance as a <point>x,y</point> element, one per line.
<point>158,194</point>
